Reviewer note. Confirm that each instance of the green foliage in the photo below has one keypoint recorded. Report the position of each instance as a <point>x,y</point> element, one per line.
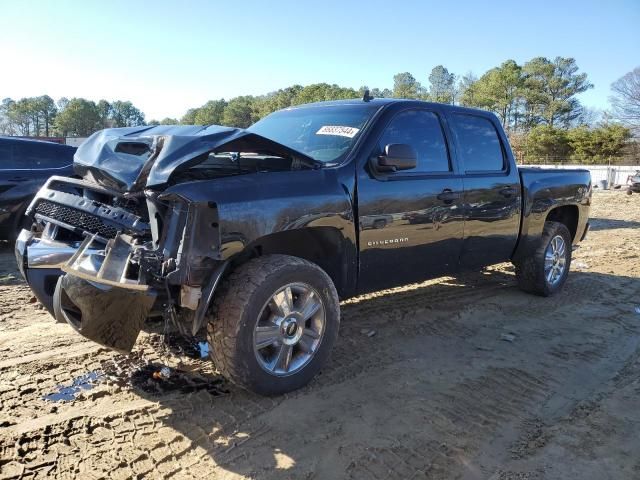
<point>277,100</point>
<point>406,86</point>
<point>239,112</point>
<point>189,118</point>
<point>498,90</point>
<point>550,88</point>
<point>169,121</point>
<point>320,92</point>
<point>124,114</point>
<point>31,116</point>
<point>211,113</point>
<point>245,110</point>
<point>467,87</point>
<point>596,145</point>
<point>104,111</point>
<point>376,92</point>
<point>547,144</point>
<point>79,118</point>
<point>442,85</point>
<point>542,92</point>
<point>164,121</point>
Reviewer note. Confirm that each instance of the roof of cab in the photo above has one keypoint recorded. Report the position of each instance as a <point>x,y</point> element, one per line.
<point>389,101</point>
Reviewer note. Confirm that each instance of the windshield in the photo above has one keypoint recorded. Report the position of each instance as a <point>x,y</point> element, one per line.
<point>325,133</point>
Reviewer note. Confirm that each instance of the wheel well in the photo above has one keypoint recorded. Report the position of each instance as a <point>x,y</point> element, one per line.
<point>324,246</point>
<point>567,215</point>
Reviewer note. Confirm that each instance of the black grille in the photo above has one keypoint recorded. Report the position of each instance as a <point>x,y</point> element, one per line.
<point>76,218</point>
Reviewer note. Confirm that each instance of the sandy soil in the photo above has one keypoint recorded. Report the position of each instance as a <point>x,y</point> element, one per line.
<point>437,392</point>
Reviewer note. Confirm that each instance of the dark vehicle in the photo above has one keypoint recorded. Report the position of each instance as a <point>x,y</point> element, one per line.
<point>251,237</point>
<point>24,167</point>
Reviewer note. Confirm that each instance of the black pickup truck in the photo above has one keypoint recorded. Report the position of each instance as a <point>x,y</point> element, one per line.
<point>252,236</point>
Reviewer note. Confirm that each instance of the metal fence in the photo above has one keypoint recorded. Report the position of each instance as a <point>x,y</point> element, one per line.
<point>611,174</point>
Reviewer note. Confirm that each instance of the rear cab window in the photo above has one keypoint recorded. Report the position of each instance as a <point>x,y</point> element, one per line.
<point>478,145</point>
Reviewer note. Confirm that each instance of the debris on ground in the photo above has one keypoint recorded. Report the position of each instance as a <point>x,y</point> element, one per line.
<point>79,384</point>
<point>163,374</point>
<point>139,373</point>
<point>151,379</point>
<point>204,349</point>
<point>580,265</point>
<point>507,337</point>
<point>369,332</point>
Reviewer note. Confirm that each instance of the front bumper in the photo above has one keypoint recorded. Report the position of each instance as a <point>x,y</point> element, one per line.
<point>39,262</point>
<point>108,315</point>
<point>105,313</point>
<point>102,268</point>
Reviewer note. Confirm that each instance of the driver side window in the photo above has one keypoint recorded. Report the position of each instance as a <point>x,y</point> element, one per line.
<point>422,130</point>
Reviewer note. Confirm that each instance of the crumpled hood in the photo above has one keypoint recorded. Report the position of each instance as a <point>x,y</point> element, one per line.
<point>134,158</point>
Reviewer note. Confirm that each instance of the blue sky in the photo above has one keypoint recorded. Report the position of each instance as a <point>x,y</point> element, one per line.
<point>168,56</point>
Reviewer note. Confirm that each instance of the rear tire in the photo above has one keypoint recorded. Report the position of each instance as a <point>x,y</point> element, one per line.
<point>258,345</point>
<point>544,271</point>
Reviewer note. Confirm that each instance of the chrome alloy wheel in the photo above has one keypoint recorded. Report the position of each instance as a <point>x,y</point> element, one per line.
<point>289,329</point>
<point>555,260</point>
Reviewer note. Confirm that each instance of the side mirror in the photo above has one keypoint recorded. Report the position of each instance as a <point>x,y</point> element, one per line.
<point>397,156</point>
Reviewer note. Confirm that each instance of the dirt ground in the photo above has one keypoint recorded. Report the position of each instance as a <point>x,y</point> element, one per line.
<point>454,378</point>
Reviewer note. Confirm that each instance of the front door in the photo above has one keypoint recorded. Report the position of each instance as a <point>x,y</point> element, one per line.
<point>411,221</point>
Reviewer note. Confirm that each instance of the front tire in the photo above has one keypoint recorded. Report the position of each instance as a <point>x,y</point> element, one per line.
<point>273,324</point>
<point>544,271</point>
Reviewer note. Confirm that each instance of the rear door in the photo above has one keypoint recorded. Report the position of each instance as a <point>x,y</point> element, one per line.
<point>492,193</point>
<point>410,221</point>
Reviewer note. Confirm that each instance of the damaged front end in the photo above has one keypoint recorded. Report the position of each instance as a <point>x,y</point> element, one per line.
<point>105,261</point>
<point>110,250</point>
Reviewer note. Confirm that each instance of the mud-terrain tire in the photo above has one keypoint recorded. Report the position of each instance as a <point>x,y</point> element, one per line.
<point>532,272</point>
<point>252,302</point>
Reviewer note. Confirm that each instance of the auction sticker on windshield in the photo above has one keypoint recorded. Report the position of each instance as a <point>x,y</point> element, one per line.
<point>349,132</point>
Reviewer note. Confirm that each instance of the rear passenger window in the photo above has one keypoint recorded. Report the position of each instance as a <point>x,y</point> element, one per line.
<point>420,129</point>
<point>478,144</point>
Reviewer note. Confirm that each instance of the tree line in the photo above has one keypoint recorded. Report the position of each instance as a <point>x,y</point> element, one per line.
<point>76,117</point>
<point>536,103</point>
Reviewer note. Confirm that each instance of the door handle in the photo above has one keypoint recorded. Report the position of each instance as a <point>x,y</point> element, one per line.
<point>448,195</point>
<point>508,192</point>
